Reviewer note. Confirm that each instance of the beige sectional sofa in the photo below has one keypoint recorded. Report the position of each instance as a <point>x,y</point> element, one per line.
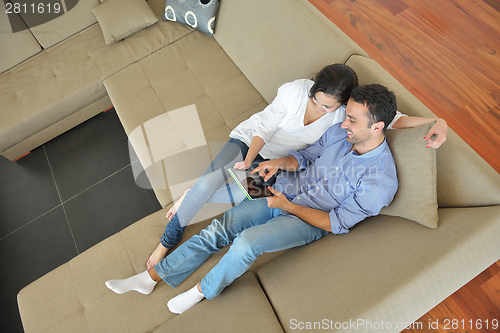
<point>388,269</point>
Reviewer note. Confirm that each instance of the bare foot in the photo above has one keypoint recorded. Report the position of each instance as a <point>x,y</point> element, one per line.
<point>171,212</point>
<point>157,256</point>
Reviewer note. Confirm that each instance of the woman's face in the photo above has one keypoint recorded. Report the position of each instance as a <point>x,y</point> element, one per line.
<point>325,103</point>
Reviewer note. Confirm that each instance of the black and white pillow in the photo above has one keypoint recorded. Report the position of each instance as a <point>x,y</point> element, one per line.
<point>199,14</point>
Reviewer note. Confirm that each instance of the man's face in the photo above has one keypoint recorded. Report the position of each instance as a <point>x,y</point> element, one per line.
<point>356,123</point>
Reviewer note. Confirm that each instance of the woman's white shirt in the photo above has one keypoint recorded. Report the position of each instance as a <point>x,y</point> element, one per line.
<point>281,123</point>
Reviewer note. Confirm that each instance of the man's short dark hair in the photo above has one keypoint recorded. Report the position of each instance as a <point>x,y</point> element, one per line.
<point>380,102</point>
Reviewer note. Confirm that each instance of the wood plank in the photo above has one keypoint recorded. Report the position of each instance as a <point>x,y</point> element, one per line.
<point>495,4</point>
<point>482,11</point>
<point>406,49</point>
<point>393,6</point>
<point>466,75</point>
<point>489,136</point>
<point>469,33</point>
<point>492,289</point>
<point>364,43</point>
<point>488,54</point>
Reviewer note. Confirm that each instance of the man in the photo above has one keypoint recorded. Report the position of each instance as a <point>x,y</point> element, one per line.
<point>327,187</point>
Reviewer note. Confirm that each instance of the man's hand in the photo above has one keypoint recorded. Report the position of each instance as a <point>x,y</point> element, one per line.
<point>440,129</point>
<point>267,169</point>
<point>279,200</point>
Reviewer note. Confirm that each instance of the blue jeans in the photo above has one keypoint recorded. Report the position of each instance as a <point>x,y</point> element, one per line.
<point>208,189</point>
<point>253,228</point>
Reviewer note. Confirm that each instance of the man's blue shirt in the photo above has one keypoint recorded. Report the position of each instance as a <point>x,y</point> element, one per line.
<point>332,178</point>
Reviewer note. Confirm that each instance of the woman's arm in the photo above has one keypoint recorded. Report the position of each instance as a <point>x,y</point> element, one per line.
<point>254,149</point>
<point>440,128</point>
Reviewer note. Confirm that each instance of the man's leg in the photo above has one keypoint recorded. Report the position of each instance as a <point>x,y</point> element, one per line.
<point>281,232</point>
<point>193,253</point>
<point>181,263</point>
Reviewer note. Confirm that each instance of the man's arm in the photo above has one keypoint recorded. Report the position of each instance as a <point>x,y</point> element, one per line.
<point>315,217</point>
<point>355,208</point>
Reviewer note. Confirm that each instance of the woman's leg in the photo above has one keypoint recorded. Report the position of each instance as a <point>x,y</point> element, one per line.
<point>281,232</point>
<point>197,196</point>
<point>203,189</point>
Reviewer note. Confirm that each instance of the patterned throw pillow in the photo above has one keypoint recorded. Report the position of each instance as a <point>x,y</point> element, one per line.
<point>198,14</point>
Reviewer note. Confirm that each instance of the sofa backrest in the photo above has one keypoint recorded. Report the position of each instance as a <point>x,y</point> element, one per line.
<point>15,47</point>
<point>273,42</point>
<point>74,20</point>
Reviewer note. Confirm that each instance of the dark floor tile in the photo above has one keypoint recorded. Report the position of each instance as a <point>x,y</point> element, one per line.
<point>27,190</point>
<point>88,153</point>
<point>108,207</point>
<point>28,254</point>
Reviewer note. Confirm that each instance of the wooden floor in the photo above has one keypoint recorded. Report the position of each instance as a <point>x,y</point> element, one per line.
<point>446,52</point>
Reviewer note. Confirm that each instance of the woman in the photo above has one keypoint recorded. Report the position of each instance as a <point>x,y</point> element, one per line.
<point>298,116</point>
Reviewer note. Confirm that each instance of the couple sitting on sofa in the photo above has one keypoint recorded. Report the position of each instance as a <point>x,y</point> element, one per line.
<point>337,171</point>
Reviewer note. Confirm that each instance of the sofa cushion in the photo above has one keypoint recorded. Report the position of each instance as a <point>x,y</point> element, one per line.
<point>75,293</point>
<point>198,14</point>
<point>18,46</point>
<point>46,89</point>
<point>48,300</point>
<point>242,307</point>
<point>121,18</point>
<point>416,199</point>
<point>38,95</point>
<point>12,127</point>
<point>465,179</point>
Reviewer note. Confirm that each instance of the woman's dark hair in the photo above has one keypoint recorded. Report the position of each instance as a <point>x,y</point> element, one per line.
<point>336,80</point>
<point>380,102</point>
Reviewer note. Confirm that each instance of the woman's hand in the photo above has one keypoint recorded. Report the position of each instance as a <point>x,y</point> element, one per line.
<point>440,129</point>
<point>242,165</point>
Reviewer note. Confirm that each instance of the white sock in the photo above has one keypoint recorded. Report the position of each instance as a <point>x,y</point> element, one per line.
<point>141,282</point>
<point>184,301</point>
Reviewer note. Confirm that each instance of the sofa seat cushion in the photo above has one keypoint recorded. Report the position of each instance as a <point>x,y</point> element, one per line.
<point>192,73</point>
<point>119,19</point>
<point>242,307</point>
<point>75,293</point>
<point>386,268</point>
<point>46,89</point>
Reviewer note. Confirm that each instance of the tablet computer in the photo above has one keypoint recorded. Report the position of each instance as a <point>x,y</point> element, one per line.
<point>249,185</point>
